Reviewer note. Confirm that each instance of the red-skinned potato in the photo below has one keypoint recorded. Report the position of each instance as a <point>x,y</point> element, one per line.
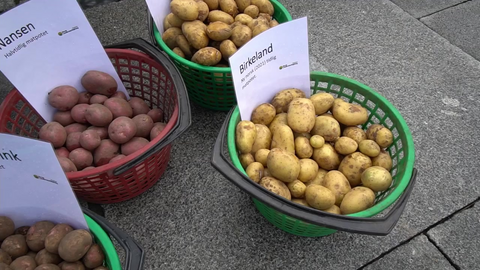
<point>53,133</point>
<point>55,235</point>
<point>122,129</point>
<point>67,164</point>
<point>78,113</point>
<point>133,145</point>
<point>23,263</point>
<point>94,257</point>
<point>118,107</point>
<point>73,141</point>
<point>99,82</point>
<point>98,115</point>
<point>144,125</point>
<point>102,131</point>
<point>90,139</point>
<point>157,129</point>
<point>15,246</point>
<point>75,127</point>
<point>98,99</point>
<point>120,94</point>
<point>105,152</point>
<point>75,245</point>
<point>156,115</point>
<point>81,158</point>
<point>62,152</point>
<point>64,118</point>
<point>37,233</point>
<point>84,98</point>
<point>116,158</point>
<point>63,98</point>
<point>138,105</point>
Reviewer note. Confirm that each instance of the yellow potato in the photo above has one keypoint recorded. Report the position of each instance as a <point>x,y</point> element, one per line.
<point>203,10</point>
<point>273,23</point>
<point>327,127</point>
<point>317,141</point>
<point>322,102</point>
<point>218,15</point>
<point>166,24</point>
<point>178,52</point>
<point>263,114</point>
<point>241,34</point>
<point>263,139</point>
<point>207,56</point>
<point>276,186</point>
<point>349,114</point>
<point>246,159</point>
<point>227,48</point>
<point>266,173</point>
<point>245,134</point>
<point>235,24</point>
<point>318,180</point>
<point>228,6</point>
<point>260,28</point>
<point>261,156</point>
<point>306,135</point>
<point>282,99</point>
<point>283,138</point>
<point>328,115</point>
<point>326,157</point>
<point>352,167</point>
<point>301,201</point>
<point>380,134</point>
<point>303,149</point>
<point>334,210</point>
<point>308,170</point>
<point>301,115</point>
<point>297,189</point>
<point>345,145</point>
<point>369,148</point>
<point>243,18</point>
<point>266,16</point>
<point>383,160</point>
<point>186,10</point>
<point>356,200</point>
<point>170,36</point>
<point>278,120</point>
<point>338,184</point>
<point>252,11</point>
<point>219,31</point>
<point>264,6</point>
<point>255,171</point>
<point>212,4</point>
<point>258,21</point>
<point>195,32</point>
<point>183,44</point>
<point>355,133</point>
<point>283,165</point>
<point>319,197</point>
<point>174,20</point>
<point>376,178</point>
<point>242,4</point>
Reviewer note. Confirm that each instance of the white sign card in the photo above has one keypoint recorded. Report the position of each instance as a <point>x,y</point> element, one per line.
<point>159,9</point>
<point>33,186</point>
<point>48,43</point>
<point>275,60</point>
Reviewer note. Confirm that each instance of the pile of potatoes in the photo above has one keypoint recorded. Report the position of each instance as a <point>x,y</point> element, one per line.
<point>207,31</point>
<point>98,126</point>
<point>313,151</point>
<point>47,246</point>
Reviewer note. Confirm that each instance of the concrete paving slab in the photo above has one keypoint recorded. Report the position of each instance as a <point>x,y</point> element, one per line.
<point>458,237</point>
<point>421,8</point>
<point>419,253</point>
<point>460,25</point>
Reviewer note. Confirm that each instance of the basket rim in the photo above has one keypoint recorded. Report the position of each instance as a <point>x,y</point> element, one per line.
<point>111,255</point>
<point>409,146</point>
<point>158,38</point>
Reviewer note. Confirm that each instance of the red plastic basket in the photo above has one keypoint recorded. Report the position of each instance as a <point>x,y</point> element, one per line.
<point>149,75</point>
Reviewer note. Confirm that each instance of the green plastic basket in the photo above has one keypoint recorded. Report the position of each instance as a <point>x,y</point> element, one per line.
<point>112,261</point>
<point>402,152</point>
<point>209,87</point>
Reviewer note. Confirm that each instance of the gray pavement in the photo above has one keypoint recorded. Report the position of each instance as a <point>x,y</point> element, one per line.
<point>195,219</point>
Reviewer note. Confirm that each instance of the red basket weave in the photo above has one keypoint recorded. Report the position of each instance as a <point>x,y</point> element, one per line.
<point>143,77</point>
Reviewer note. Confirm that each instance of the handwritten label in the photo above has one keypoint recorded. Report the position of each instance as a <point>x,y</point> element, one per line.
<point>48,43</point>
<point>275,60</point>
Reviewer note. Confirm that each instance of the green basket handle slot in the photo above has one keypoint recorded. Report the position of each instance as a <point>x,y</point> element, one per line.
<point>134,254</point>
<point>184,115</point>
<point>371,226</point>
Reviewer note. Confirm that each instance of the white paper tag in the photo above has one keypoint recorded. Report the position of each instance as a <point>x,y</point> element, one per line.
<point>48,43</point>
<point>159,9</point>
<point>275,60</point>
<point>33,186</point>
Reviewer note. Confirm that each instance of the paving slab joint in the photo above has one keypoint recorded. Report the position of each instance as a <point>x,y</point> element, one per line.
<point>435,12</point>
<point>452,263</point>
<point>406,241</point>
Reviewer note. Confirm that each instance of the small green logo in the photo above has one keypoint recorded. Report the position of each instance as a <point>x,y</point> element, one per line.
<point>280,67</point>
<point>60,33</point>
